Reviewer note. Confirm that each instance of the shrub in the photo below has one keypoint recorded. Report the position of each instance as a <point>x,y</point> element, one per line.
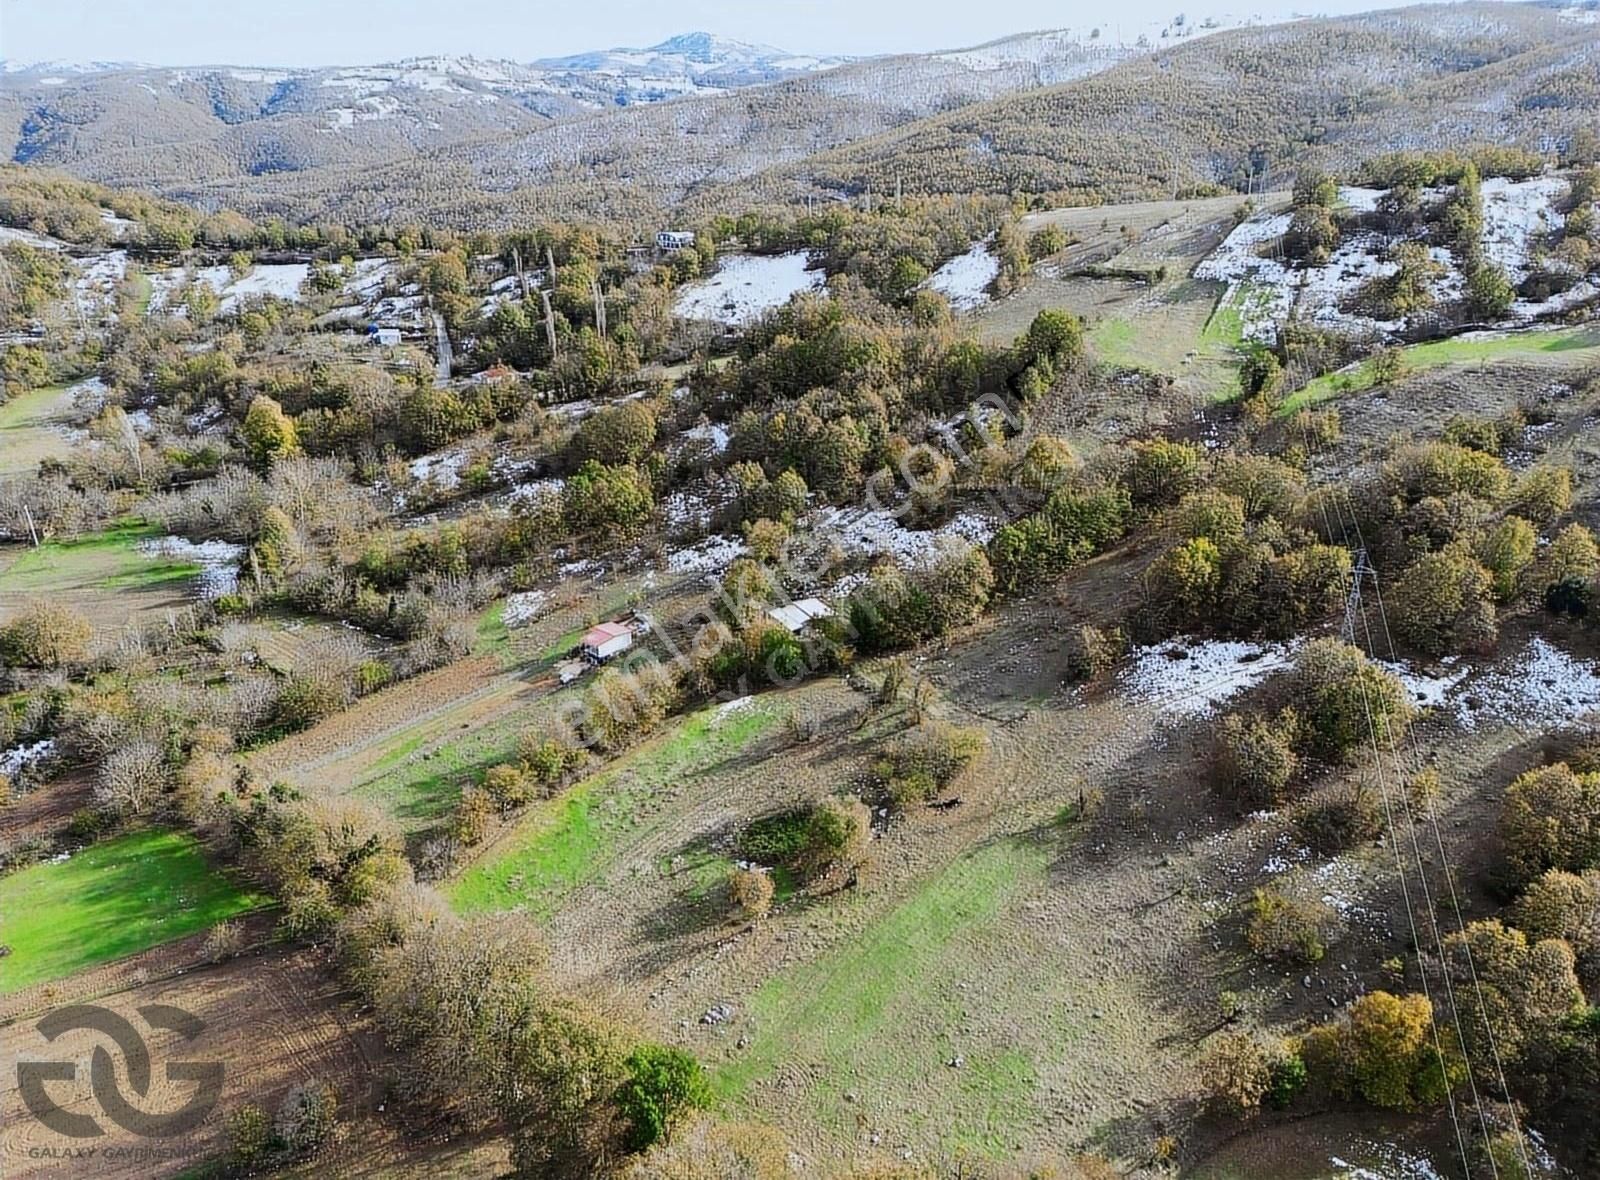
<point>1187,578</point>
<point>1346,701</point>
<point>1092,652</point>
<point>268,433</point>
<point>1162,472</point>
<point>1384,1052</point>
<point>919,764</point>
<point>751,892</point>
<point>249,1136</point>
<point>1551,820</point>
<point>663,1084</point>
<point>1281,929</point>
<point>1565,906</point>
<point>307,1118</point>
<point>473,813</point>
<point>1507,552</point>
<point>508,786</point>
<point>1442,603</point>
<point>1573,554</point>
<point>836,834</point>
<point>1542,493</point>
<point>1339,819</point>
<point>1528,991</point>
<point>808,840</point>
<point>599,497</point>
<point>223,942</point>
<point>306,699</point>
<point>1443,469</point>
<point>1238,1073</point>
<point>45,635</point>
<point>1256,759</point>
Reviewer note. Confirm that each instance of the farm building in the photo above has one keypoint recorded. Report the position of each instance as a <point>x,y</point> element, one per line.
<point>796,616</point>
<point>672,240</point>
<point>606,640</point>
<point>387,337</point>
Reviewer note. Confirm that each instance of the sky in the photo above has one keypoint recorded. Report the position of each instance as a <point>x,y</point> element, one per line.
<point>338,32</point>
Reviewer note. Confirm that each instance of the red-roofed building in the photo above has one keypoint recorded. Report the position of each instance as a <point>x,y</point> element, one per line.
<point>606,640</point>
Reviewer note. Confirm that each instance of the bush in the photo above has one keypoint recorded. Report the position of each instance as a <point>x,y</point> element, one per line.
<point>919,764</point>
<point>1513,993</point>
<point>1280,929</point>
<point>1345,701</point>
<point>1507,552</point>
<point>808,840</point>
<point>508,786</point>
<point>45,635</point>
<point>223,942</point>
<point>1255,758</point>
<point>662,1085</point>
<point>307,1118</point>
<point>1551,820</point>
<point>1092,652</point>
<point>751,892</point>
<point>249,1136</point>
<point>1383,1051</point>
<point>1443,603</point>
<point>1565,906</point>
<point>474,811</point>
<point>1238,1073</point>
<point>1162,472</point>
<point>1543,493</point>
<point>1339,819</point>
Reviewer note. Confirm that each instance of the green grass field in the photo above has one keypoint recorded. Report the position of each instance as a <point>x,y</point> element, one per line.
<point>107,560</point>
<point>26,432</point>
<point>109,900</point>
<point>1574,344</point>
<point>570,841</point>
<point>864,1018</point>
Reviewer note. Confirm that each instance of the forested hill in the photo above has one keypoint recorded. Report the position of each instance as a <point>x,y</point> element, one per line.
<point>1193,109</point>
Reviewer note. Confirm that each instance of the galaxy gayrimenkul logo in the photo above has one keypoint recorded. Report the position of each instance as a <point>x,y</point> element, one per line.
<point>202,1080</point>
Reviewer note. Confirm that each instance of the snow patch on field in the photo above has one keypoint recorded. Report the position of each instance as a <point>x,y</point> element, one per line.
<point>867,533</point>
<point>1516,213</point>
<point>1387,1161</point>
<point>1187,680</point>
<point>17,759</point>
<point>99,278</point>
<point>747,286</point>
<point>964,280</point>
<point>1539,684</point>
<point>710,556</point>
<point>524,608</point>
<point>218,561</point>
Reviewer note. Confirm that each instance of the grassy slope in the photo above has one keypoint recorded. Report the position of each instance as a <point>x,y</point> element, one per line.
<point>570,840</point>
<point>26,435</point>
<point>109,900</point>
<point>1574,344</point>
<point>865,1020</point>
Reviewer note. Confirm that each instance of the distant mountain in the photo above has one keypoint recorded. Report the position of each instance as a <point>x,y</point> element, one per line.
<point>702,59</point>
<point>1107,111</point>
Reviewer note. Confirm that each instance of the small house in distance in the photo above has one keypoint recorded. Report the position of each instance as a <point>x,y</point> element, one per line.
<point>796,616</point>
<point>386,337</point>
<point>606,640</point>
<point>673,240</point>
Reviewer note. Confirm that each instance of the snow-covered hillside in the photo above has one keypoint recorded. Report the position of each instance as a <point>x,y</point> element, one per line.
<point>1265,288</point>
